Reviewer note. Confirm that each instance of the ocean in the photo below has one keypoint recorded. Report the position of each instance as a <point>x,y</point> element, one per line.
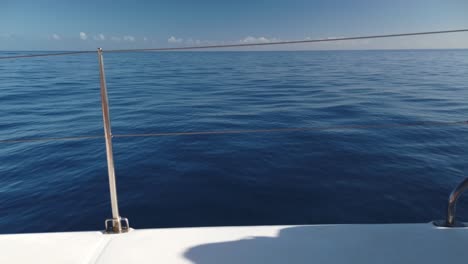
<point>372,173</point>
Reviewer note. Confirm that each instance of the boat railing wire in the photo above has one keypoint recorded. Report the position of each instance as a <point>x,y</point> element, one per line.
<point>246,131</point>
<point>241,131</point>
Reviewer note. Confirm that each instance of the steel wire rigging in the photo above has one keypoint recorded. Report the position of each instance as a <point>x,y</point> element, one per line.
<point>241,44</point>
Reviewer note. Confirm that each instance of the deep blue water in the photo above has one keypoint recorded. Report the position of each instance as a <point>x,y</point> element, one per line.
<point>374,175</point>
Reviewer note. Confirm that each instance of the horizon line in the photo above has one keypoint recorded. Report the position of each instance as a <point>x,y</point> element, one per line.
<point>235,50</point>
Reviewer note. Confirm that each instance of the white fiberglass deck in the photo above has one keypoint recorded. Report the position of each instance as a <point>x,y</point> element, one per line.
<point>392,243</point>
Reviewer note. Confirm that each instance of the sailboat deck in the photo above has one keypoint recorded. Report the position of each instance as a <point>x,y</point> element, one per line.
<point>379,243</point>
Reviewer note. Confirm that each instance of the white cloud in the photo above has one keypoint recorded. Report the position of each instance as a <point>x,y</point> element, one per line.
<point>340,43</point>
<point>100,37</point>
<point>251,39</point>
<point>83,36</point>
<point>129,38</point>
<point>113,38</point>
<point>145,38</point>
<point>311,38</point>
<point>56,37</point>
<point>173,39</point>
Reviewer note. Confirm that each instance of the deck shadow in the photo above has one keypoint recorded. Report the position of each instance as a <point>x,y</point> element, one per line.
<point>335,244</point>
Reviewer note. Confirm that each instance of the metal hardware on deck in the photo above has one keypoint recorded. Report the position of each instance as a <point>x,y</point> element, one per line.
<point>450,221</point>
<point>452,203</point>
<point>116,219</point>
<point>124,225</point>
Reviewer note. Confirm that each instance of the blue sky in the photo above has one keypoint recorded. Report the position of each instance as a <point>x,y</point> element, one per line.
<point>87,24</point>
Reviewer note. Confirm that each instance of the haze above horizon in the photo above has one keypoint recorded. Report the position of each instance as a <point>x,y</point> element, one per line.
<point>66,25</point>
